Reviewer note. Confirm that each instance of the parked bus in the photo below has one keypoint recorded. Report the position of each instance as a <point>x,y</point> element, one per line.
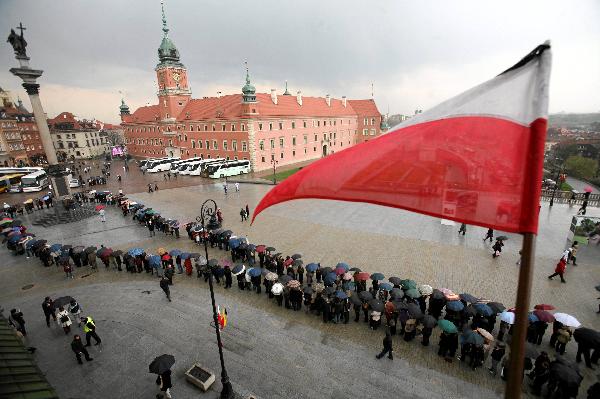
<point>186,168</point>
<point>8,181</point>
<point>199,168</point>
<point>177,164</point>
<point>36,181</point>
<point>161,165</point>
<point>25,170</point>
<point>229,168</point>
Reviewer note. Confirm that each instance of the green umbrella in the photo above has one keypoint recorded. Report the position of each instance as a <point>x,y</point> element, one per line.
<point>413,293</point>
<point>447,326</point>
<point>408,284</point>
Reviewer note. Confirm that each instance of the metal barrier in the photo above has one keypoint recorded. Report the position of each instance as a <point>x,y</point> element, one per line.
<point>566,197</point>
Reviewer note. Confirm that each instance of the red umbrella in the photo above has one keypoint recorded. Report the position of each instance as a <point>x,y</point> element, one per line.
<point>544,306</point>
<point>166,257</point>
<point>99,207</point>
<point>261,248</point>
<point>288,262</point>
<point>588,189</point>
<point>363,276</point>
<point>544,316</point>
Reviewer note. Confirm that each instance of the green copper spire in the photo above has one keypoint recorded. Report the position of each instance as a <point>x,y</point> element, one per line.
<point>167,52</point>
<point>286,93</point>
<point>248,91</point>
<point>124,108</point>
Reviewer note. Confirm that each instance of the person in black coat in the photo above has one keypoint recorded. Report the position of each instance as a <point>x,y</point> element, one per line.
<point>49,310</point>
<point>241,280</point>
<point>228,278</point>
<point>164,285</point>
<point>387,347</point>
<point>164,380</point>
<point>426,334</point>
<point>78,348</point>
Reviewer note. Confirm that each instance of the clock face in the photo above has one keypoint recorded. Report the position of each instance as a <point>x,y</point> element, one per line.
<point>176,76</point>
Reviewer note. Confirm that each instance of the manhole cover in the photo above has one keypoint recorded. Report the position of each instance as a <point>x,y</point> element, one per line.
<point>85,275</point>
<point>27,287</point>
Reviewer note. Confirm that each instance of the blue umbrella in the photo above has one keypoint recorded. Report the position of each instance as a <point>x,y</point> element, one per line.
<point>45,198</point>
<point>254,272</point>
<point>330,278</point>
<point>312,267</point>
<point>234,242</point>
<point>154,261</point>
<point>55,247</point>
<point>15,228</point>
<point>185,255</point>
<point>175,252</point>
<point>455,306</point>
<point>349,285</point>
<point>386,286</point>
<point>532,318</point>
<point>341,294</point>
<point>135,251</point>
<point>30,243</point>
<point>483,309</point>
<point>15,238</point>
<point>377,276</point>
<point>219,272</point>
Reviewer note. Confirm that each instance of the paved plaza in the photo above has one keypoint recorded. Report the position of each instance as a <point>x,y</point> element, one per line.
<point>269,351</point>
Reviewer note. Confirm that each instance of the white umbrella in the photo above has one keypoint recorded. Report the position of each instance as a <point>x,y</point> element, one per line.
<point>277,288</point>
<point>567,319</point>
<point>425,289</point>
<point>507,317</point>
<point>271,276</point>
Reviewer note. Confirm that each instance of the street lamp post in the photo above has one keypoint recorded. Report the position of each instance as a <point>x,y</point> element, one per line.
<point>274,163</point>
<point>208,210</point>
<point>556,184</point>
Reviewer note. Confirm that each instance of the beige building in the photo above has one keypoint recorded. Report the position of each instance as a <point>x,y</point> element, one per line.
<point>74,139</point>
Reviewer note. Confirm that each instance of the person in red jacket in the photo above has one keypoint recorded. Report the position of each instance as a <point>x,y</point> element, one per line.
<point>561,266</point>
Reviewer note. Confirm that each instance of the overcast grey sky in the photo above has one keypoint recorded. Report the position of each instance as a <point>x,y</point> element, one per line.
<point>417,53</point>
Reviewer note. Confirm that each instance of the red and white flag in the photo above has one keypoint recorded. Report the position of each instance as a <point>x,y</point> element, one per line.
<point>476,158</point>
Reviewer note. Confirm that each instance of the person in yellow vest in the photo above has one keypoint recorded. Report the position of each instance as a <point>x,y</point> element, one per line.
<point>89,328</point>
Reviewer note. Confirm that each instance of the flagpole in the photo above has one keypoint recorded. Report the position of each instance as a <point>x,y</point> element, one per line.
<point>517,346</point>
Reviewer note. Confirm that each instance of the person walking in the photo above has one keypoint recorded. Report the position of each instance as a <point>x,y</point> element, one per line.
<point>228,278</point>
<point>102,215</point>
<point>225,187</point>
<point>164,285</point>
<point>49,310</point>
<point>237,187</point>
<point>89,328</point>
<point>497,247</point>
<point>489,235</point>
<point>463,229</point>
<point>497,355</point>
<point>17,321</point>
<point>78,348</point>
<point>243,214</point>
<point>387,347</point>
<point>573,252</point>
<point>247,211</point>
<point>164,382</point>
<point>75,310</point>
<point>64,320</point>
<point>560,269</point>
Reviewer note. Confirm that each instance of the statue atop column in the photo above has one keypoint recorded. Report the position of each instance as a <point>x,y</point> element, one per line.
<point>18,41</point>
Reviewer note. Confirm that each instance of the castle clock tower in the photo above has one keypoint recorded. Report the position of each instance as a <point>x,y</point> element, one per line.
<point>173,90</point>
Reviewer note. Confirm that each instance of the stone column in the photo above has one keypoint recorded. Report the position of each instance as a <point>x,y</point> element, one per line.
<point>29,77</point>
<point>251,145</point>
<point>40,120</point>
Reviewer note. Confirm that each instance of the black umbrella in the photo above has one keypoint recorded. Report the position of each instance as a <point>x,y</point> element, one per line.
<point>503,238</point>
<point>354,269</point>
<point>564,372</point>
<point>296,256</point>
<point>78,249</point>
<point>308,290</point>
<point>468,298</point>
<point>365,295</point>
<point>395,280</point>
<point>429,321</point>
<point>161,364</point>
<point>470,311</point>
<point>399,305</point>
<point>62,301</point>
<point>298,262</point>
<point>270,249</point>
<point>355,299</point>
<point>437,294</point>
<point>213,262</point>
<point>285,279</point>
<point>39,244</point>
<point>330,290</point>
<point>376,305</point>
<point>414,311</point>
<point>587,336</point>
<point>89,250</point>
<point>497,307</point>
<point>118,253</point>
<point>397,293</point>
<point>326,270</point>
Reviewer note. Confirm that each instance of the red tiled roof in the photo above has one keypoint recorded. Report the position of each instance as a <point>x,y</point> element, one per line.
<point>311,106</point>
<point>365,107</point>
<point>65,117</point>
<point>206,108</point>
<point>145,114</point>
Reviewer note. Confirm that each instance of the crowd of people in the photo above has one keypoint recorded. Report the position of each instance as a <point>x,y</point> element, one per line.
<point>473,330</point>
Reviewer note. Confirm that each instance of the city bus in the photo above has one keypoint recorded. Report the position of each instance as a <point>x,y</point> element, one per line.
<point>199,168</point>
<point>24,170</point>
<point>178,164</point>
<point>36,181</point>
<point>228,168</point>
<point>7,181</point>
<point>160,165</point>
